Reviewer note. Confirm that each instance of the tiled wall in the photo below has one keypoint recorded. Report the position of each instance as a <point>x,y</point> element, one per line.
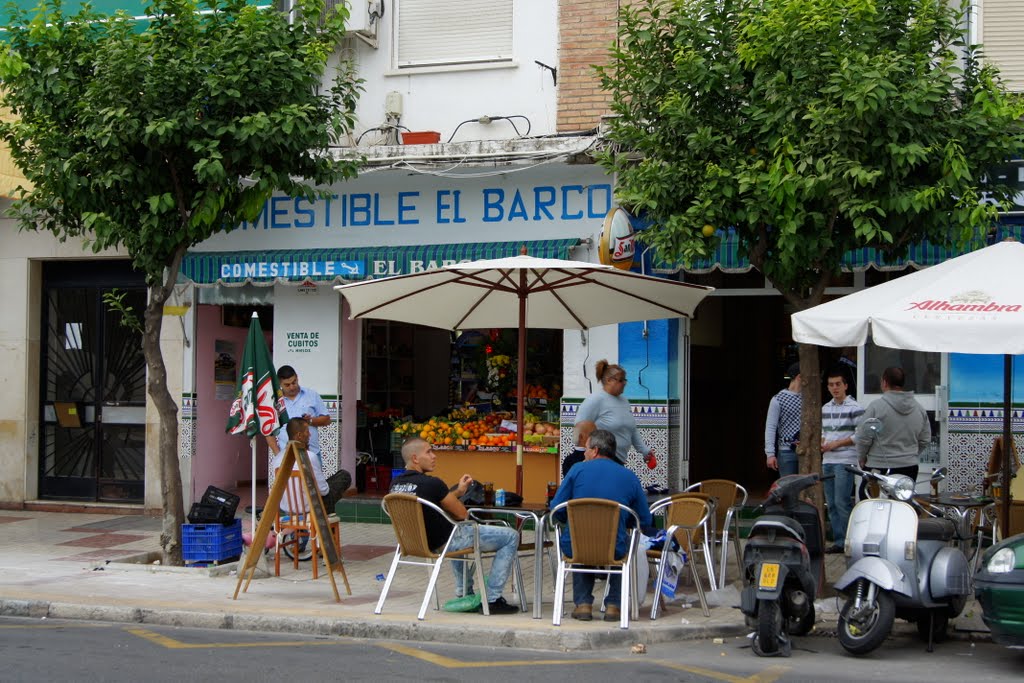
<point>972,430</point>
<point>658,422</point>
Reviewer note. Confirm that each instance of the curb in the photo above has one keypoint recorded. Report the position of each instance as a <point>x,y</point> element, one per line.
<point>526,638</point>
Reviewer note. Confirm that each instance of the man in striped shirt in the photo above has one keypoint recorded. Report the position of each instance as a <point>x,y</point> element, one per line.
<point>839,418</point>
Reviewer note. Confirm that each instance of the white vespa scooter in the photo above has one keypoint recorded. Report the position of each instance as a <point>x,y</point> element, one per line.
<point>898,565</point>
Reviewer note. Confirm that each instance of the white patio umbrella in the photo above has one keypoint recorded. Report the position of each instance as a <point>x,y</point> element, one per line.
<point>970,304</point>
<point>522,292</point>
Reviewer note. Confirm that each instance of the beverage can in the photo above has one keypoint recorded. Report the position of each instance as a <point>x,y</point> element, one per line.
<point>499,497</point>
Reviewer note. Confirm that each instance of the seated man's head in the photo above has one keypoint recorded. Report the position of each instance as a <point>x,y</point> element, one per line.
<point>582,430</point>
<point>601,443</point>
<point>298,430</point>
<point>418,455</point>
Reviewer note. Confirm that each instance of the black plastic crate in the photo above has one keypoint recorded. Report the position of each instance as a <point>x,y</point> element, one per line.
<point>217,506</point>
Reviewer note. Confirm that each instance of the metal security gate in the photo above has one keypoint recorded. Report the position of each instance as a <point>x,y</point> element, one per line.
<point>93,385</point>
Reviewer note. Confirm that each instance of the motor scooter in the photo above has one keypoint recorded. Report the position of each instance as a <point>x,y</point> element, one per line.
<point>783,566</point>
<point>901,562</point>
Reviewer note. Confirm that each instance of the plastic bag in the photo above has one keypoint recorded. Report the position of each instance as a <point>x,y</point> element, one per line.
<point>672,571</point>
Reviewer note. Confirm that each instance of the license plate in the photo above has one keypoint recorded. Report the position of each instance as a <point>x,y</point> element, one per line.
<point>769,575</point>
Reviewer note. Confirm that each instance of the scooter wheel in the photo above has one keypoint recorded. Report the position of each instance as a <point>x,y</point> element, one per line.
<point>803,626</point>
<point>863,636</point>
<point>769,626</point>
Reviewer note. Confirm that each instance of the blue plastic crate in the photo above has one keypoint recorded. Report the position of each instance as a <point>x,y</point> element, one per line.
<point>211,542</point>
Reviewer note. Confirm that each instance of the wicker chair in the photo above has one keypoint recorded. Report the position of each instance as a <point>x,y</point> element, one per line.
<point>730,497</point>
<point>593,525</point>
<point>406,513</point>
<point>687,517</point>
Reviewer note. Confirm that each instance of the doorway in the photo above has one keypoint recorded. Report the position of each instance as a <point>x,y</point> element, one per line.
<point>93,385</point>
<point>738,357</point>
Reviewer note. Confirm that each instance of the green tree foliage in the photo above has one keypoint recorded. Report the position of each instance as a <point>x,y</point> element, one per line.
<point>151,141</point>
<point>810,127</point>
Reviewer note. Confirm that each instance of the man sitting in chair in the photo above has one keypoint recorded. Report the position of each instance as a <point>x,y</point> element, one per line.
<point>420,460</point>
<point>330,489</point>
<point>601,475</point>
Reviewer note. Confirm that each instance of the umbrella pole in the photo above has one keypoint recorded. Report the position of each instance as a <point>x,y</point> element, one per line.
<point>521,387</point>
<point>1009,451</point>
<point>252,481</point>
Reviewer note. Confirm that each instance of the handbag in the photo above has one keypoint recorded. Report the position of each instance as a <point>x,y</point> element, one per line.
<point>474,495</point>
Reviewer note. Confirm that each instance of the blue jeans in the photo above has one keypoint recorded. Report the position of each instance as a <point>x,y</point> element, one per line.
<point>789,463</point>
<point>583,589</point>
<point>501,540</point>
<point>839,497</point>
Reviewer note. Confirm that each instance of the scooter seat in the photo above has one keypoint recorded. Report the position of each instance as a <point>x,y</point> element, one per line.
<point>787,525</point>
<point>935,530</point>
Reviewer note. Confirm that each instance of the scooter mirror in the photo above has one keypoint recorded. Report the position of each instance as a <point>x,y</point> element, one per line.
<point>939,473</point>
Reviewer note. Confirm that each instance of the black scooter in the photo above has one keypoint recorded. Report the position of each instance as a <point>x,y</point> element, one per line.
<point>783,566</point>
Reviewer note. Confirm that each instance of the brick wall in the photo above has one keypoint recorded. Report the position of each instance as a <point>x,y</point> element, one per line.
<point>586,29</point>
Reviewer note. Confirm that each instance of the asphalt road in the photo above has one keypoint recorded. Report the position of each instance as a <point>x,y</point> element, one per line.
<point>48,650</point>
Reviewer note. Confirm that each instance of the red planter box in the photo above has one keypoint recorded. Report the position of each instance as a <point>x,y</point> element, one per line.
<point>421,137</point>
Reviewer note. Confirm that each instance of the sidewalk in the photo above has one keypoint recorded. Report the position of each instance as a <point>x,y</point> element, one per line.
<point>76,566</point>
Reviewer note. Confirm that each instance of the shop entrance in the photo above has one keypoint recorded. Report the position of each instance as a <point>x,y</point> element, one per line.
<point>92,431</point>
<point>737,366</point>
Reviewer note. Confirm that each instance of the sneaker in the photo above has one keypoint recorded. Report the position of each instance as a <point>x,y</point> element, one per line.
<point>499,606</point>
<point>612,613</point>
<point>583,612</point>
<point>834,550</point>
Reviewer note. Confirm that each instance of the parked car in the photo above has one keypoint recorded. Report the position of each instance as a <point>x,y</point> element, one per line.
<point>999,587</point>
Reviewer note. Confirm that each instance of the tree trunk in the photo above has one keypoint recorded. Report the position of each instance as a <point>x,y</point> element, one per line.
<point>167,410</point>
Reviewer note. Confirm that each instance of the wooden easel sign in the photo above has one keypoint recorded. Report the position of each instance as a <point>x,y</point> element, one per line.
<point>295,453</point>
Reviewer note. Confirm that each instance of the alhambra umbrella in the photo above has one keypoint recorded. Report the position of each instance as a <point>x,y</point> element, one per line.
<point>970,304</point>
<point>258,409</point>
<point>522,292</point>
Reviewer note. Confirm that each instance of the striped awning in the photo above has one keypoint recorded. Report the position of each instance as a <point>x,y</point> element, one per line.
<point>296,266</point>
<point>726,256</point>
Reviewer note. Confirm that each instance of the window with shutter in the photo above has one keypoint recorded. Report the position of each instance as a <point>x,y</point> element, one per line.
<point>441,32</point>
<point>1001,24</point>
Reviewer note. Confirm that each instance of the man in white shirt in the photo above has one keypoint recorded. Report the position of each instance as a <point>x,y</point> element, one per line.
<point>839,418</point>
<point>307,404</point>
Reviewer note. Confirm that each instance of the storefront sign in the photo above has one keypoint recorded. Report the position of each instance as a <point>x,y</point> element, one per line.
<point>543,203</point>
<point>302,341</point>
<point>1011,174</point>
<point>292,269</point>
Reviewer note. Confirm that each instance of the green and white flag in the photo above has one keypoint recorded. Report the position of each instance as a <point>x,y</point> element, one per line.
<point>258,407</point>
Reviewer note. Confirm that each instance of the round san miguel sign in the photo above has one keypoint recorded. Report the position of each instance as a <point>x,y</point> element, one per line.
<point>618,241</point>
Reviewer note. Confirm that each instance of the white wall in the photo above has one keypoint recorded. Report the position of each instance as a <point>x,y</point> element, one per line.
<point>439,99</point>
<point>306,335</point>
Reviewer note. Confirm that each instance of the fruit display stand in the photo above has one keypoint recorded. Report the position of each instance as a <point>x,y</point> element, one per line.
<point>466,443</point>
<point>498,464</point>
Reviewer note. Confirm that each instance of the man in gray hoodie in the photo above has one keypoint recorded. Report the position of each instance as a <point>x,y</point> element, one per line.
<point>896,447</point>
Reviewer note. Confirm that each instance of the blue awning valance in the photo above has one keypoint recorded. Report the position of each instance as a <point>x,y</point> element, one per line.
<point>295,266</point>
<point>726,257</point>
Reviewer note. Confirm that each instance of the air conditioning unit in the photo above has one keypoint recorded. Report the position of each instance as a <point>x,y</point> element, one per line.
<point>359,18</point>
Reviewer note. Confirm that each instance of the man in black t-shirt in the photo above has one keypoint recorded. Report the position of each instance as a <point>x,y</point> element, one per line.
<point>420,460</point>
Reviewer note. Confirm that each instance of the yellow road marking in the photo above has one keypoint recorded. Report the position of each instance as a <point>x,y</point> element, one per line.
<point>449,663</point>
<point>769,675</point>
<point>15,626</point>
<point>172,644</point>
